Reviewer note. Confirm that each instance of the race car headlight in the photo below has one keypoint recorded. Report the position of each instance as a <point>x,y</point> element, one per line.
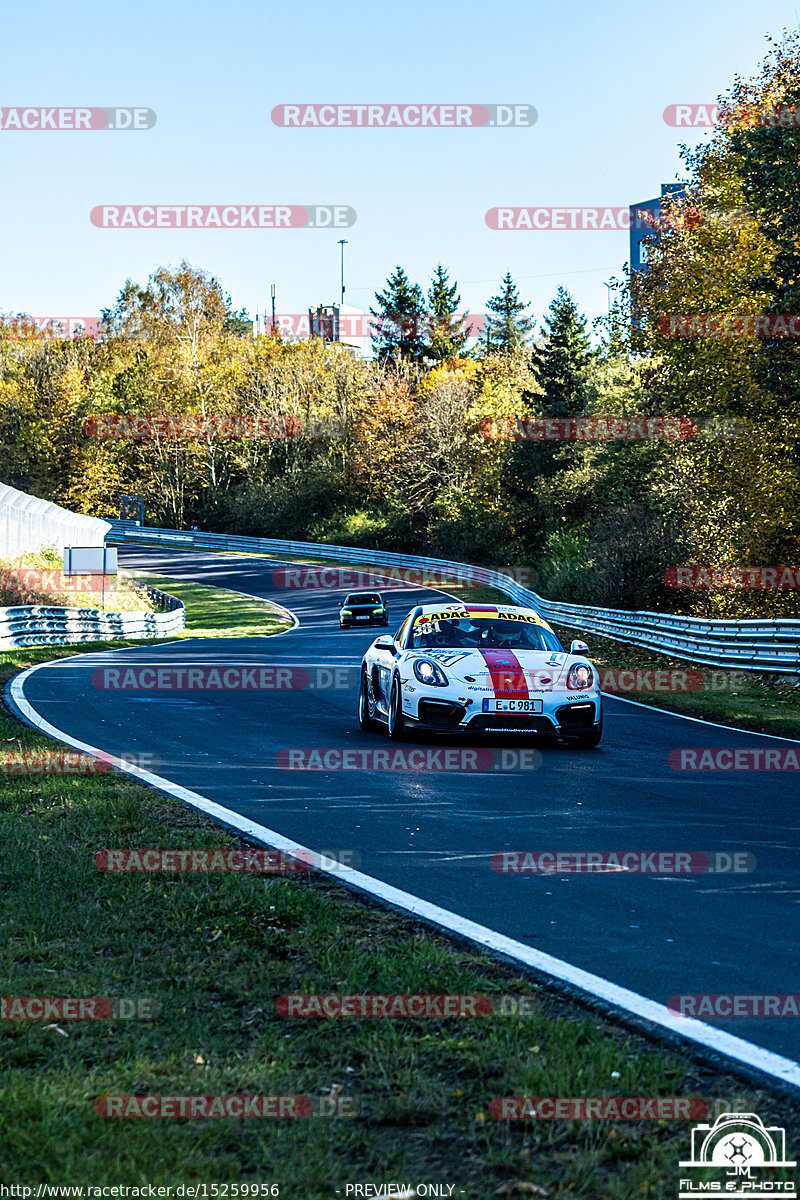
<point>580,677</point>
<point>377,610</point>
<point>345,612</point>
<point>430,673</point>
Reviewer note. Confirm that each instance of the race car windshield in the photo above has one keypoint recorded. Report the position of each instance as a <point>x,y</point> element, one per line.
<point>363,598</point>
<point>484,633</point>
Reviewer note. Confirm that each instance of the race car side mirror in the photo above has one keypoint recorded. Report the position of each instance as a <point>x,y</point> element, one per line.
<point>386,644</point>
<point>579,648</point>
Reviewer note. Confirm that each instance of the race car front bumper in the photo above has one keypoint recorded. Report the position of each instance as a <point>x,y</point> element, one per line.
<point>448,716</point>
<point>360,623</point>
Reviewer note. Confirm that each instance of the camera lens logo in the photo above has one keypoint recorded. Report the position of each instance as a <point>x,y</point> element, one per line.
<point>736,1145</point>
<point>738,1150</point>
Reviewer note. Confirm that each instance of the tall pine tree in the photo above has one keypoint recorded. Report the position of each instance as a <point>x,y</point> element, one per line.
<point>399,320</point>
<point>507,328</point>
<point>560,362</point>
<point>447,336</point>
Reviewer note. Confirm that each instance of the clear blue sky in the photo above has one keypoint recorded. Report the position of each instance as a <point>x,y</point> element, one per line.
<point>599,76</point>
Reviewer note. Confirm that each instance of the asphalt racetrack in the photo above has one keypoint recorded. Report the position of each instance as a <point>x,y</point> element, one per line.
<point>433,832</point>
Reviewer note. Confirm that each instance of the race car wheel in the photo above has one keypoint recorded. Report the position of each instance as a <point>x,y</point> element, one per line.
<point>366,704</point>
<point>397,725</point>
<point>588,741</point>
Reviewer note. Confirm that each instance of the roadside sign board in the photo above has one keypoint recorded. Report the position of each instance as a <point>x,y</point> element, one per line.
<point>90,560</point>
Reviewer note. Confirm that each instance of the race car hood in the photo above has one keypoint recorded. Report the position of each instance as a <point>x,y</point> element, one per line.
<point>512,673</point>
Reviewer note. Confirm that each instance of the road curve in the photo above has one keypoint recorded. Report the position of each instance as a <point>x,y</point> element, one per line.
<point>432,833</point>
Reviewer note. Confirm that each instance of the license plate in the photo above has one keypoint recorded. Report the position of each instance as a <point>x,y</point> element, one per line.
<point>362,618</point>
<point>512,706</point>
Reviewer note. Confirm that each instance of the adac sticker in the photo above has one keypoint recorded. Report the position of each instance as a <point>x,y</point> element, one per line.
<point>511,614</point>
<point>528,618</point>
<point>457,614</point>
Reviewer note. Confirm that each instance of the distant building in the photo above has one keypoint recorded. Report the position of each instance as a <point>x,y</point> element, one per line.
<point>323,322</point>
<point>262,325</point>
<point>341,323</point>
<point>331,322</point>
<point>639,227</point>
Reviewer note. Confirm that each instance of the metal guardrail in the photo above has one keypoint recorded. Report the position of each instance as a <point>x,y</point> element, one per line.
<point>751,645</point>
<point>41,625</point>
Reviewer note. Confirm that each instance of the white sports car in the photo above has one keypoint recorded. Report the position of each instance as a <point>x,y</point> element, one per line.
<point>479,668</point>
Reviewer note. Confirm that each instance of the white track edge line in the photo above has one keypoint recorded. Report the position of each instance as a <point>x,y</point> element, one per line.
<point>699,720</point>
<point>785,1070</point>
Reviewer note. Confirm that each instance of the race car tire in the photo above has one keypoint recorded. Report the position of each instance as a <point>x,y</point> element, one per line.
<point>588,741</point>
<point>396,722</point>
<point>366,704</point>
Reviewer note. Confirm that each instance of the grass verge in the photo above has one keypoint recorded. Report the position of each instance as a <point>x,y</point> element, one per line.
<point>214,612</point>
<point>213,952</point>
<point>210,612</point>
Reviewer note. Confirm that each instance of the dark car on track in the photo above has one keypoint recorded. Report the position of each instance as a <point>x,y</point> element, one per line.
<point>363,608</point>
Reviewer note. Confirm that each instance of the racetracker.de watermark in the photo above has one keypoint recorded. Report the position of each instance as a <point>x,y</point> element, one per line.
<point>222,1106</point>
<point>73,118</point>
<point>623,680</point>
<point>33,580</point>
<point>371,325</point>
<point>691,116</point>
<point>725,578</point>
<point>411,1005</point>
<point>25,326</point>
<point>602,1108</point>
<point>416,759</point>
<point>266,426</point>
<point>734,758</point>
<point>403,116</point>
<point>597,218</point>
<point>187,678</point>
<point>587,429</point>
<point>223,216</point>
<point>392,1005</point>
<point>698,116</point>
<point>247,861</point>
<point>628,680</point>
<point>722,325</point>
<point>622,862</point>
<point>728,1004</point>
<point>78,1008</point>
<point>66,762</point>
<point>388,578</point>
